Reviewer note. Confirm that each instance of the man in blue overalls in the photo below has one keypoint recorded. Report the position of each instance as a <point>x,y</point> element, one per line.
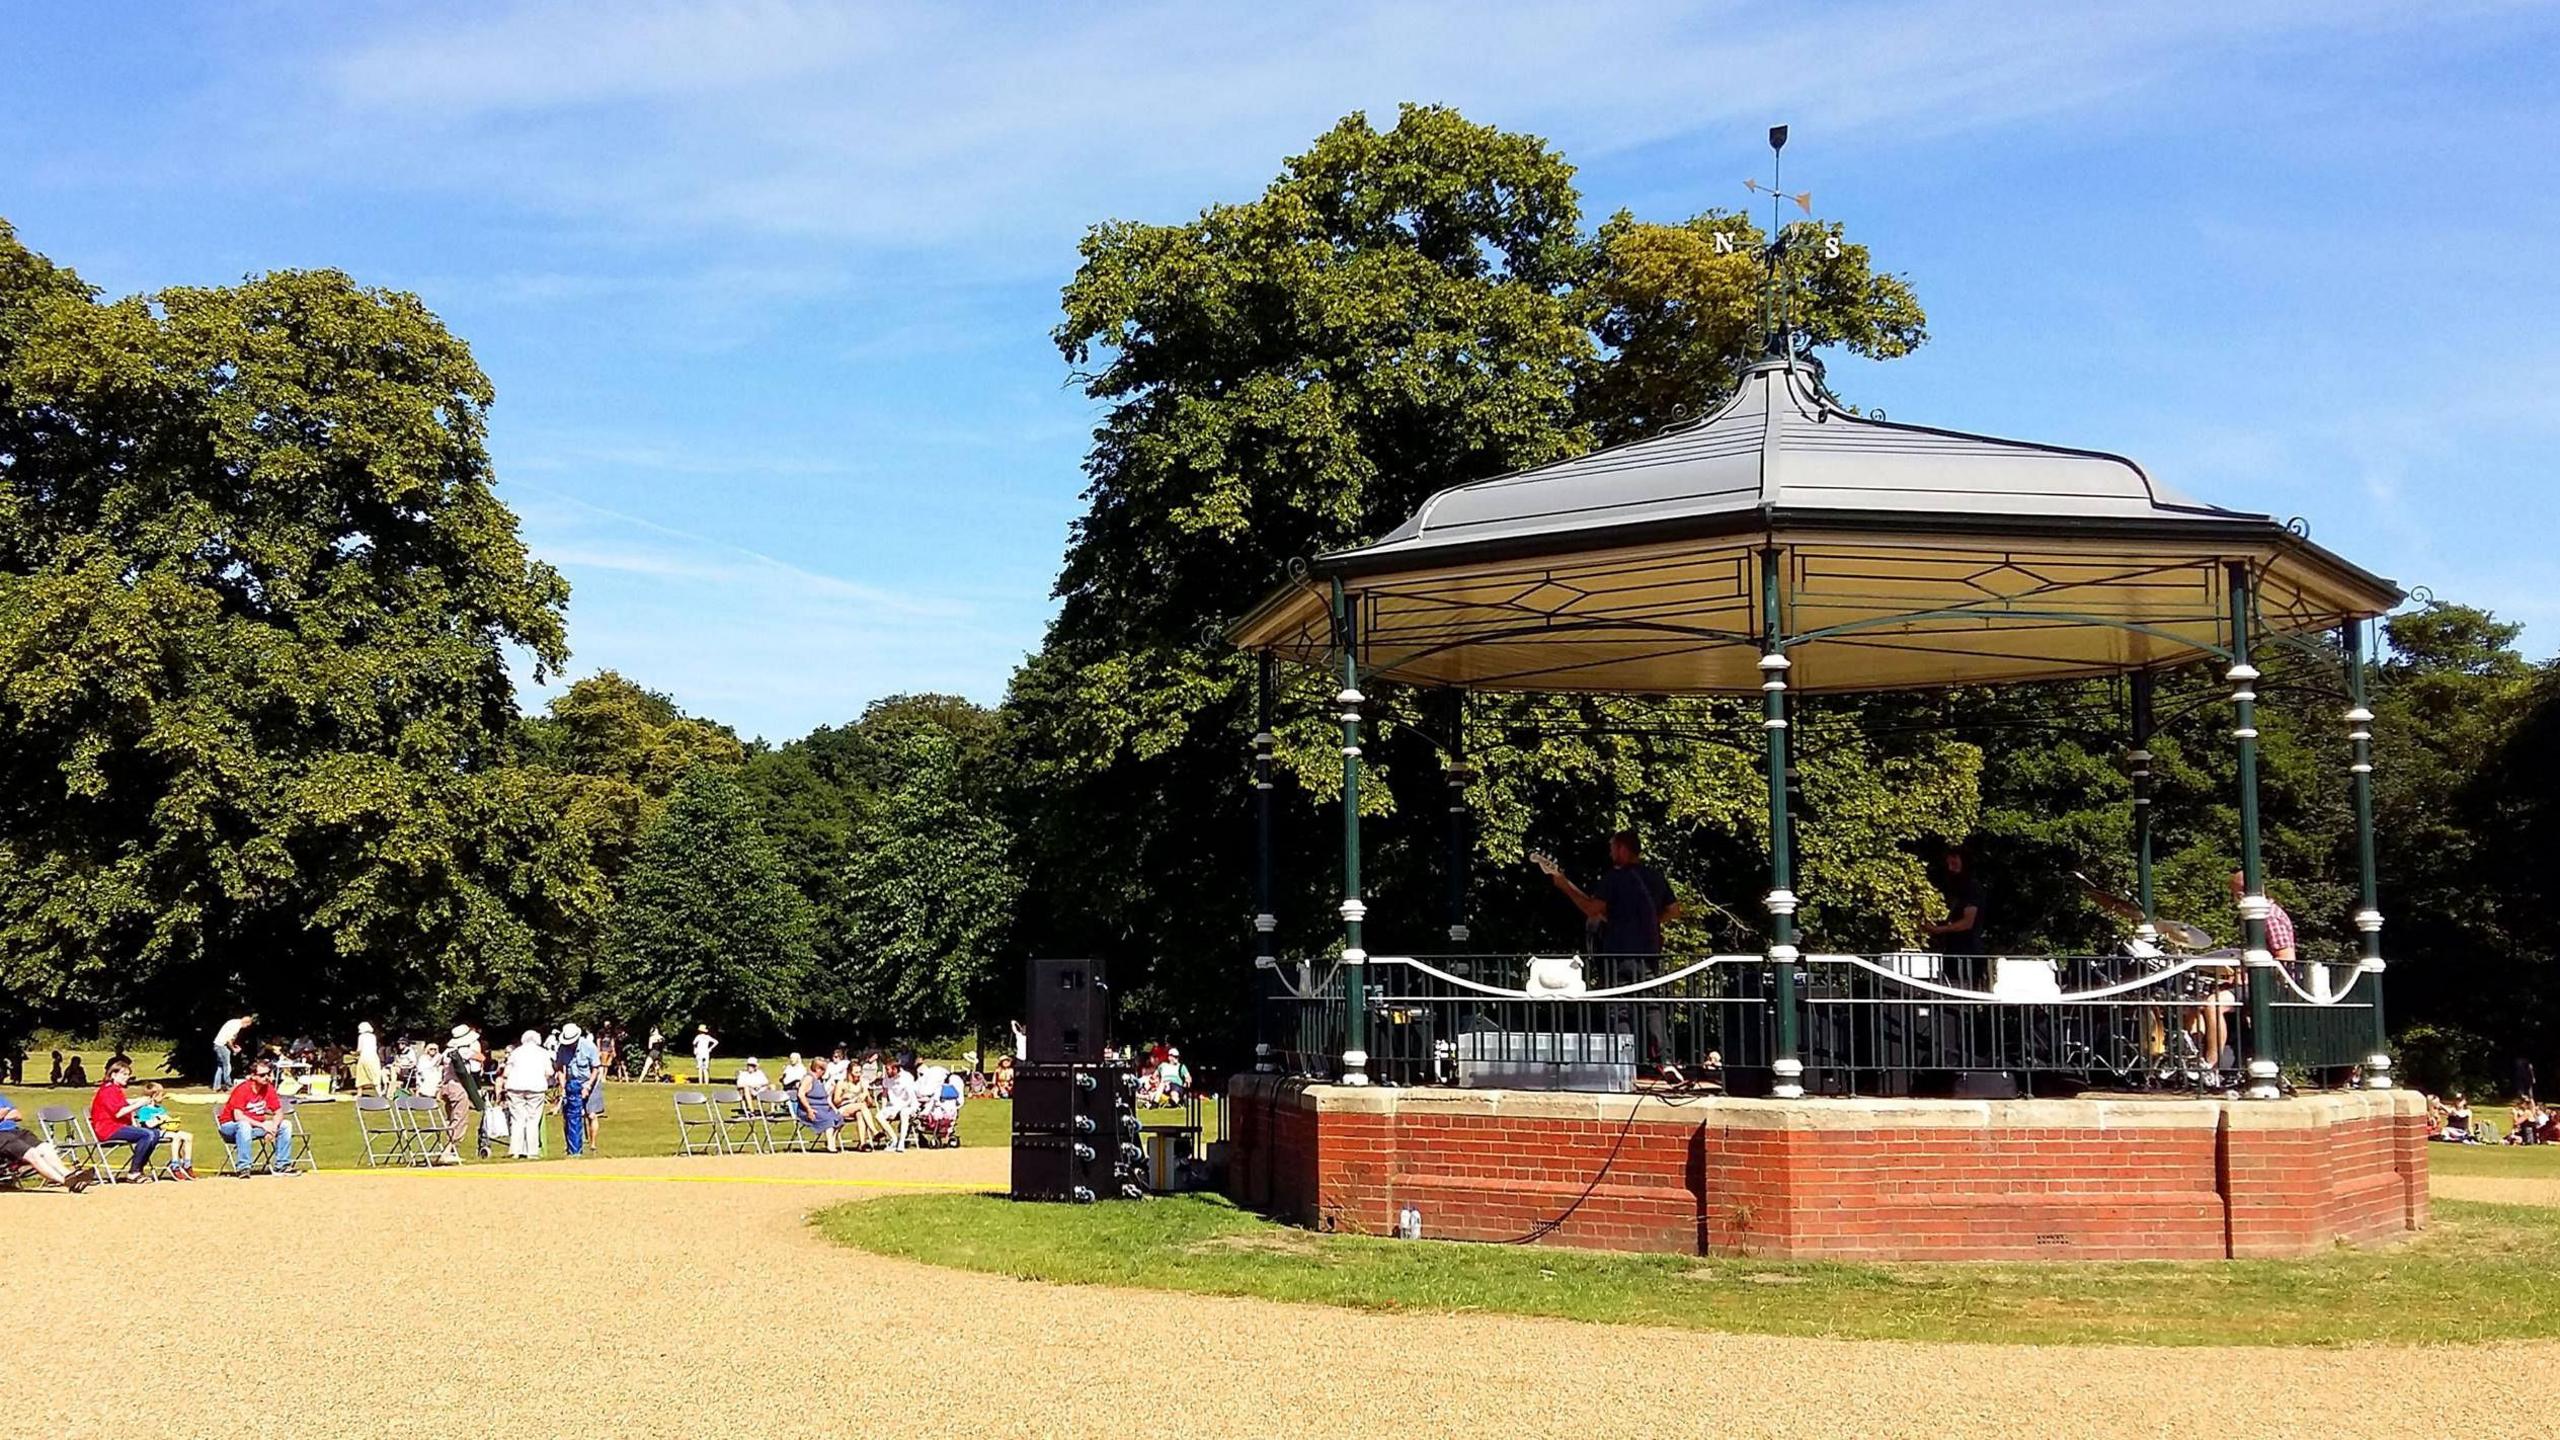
<point>578,1064</point>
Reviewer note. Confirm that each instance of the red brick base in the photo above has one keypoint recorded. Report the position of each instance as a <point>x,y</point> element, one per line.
<point>2113,1178</point>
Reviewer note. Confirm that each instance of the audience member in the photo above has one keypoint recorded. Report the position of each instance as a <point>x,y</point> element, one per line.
<point>153,1114</point>
<point>226,1038</point>
<point>529,1068</point>
<point>111,1119</point>
<point>22,1147</point>
<point>253,1109</point>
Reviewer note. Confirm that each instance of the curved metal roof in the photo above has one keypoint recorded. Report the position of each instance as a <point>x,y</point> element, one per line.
<point>1904,556</point>
<point>1783,445</point>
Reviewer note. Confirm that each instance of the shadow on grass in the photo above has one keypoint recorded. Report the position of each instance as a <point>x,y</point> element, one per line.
<point>2481,1272</point>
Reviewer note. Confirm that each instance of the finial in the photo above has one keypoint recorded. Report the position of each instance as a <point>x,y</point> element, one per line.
<point>1778,336</point>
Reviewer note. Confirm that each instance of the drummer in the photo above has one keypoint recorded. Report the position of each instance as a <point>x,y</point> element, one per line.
<point>2224,1005</point>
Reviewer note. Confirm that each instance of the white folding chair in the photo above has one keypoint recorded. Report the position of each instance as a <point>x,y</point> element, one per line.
<point>421,1123</point>
<point>68,1132</point>
<point>378,1129</point>
<point>263,1153</point>
<point>697,1112</point>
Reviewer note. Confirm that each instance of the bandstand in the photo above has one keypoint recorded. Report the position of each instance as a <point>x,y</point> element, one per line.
<point>1786,545</point>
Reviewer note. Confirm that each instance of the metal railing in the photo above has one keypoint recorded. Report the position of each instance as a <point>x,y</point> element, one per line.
<point>1894,1024</point>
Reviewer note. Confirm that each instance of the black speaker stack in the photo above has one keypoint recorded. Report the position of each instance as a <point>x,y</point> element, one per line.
<point>1075,1119</point>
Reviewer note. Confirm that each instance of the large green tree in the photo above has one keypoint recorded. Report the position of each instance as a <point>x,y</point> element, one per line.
<point>258,600</point>
<point>1401,310</point>
<point>891,827</point>
<point>709,928</point>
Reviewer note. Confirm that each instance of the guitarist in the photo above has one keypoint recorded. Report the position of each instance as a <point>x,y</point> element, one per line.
<point>1632,902</point>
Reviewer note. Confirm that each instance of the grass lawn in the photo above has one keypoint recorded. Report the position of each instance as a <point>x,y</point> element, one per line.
<point>2481,1272</point>
<point>640,1121</point>
<point>2521,1162</point>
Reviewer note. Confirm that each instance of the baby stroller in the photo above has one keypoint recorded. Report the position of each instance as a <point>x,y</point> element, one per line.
<point>938,1117</point>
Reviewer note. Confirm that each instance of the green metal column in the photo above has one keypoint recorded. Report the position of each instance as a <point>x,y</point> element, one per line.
<point>2377,1066</point>
<point>1266,925</point>
<point>1457,776</point>
<point>2140,756</point>
<point>2260,965</point>
<point>1788,1063</point>
<point>1355,961</point>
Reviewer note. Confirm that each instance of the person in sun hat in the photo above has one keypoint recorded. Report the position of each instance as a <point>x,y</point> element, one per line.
<point>368,1068</point>
<point>703,1045</point>
<point>578,1063</point>
<point>457,1091</point>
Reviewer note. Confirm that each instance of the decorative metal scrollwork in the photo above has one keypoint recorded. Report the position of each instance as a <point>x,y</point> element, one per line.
<point>1297,567</point>
<point>2299,526</point>
<point>2422,594</point>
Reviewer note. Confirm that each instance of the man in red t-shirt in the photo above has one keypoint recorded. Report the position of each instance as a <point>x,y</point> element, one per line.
<point>252,1109</point>
<point>111,1118</point>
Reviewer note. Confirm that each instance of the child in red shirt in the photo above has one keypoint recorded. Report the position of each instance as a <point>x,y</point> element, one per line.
<point>111,1118</point>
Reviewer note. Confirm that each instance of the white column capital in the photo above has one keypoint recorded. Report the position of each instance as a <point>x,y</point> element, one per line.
<point>1783,954</point>
<point>2368,920</point>
<point>1355,910</point>
<point>1460,934</point>
<point>2259,959</point>
<point>1349,696</point>
<point>1780,902</point>
<point>2241,673</point>
<point>1353,955</point>
<point>2359,716</point>
<point>2252,907</point>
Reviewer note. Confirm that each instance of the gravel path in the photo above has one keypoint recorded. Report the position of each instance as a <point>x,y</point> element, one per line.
<point>689,1298</point>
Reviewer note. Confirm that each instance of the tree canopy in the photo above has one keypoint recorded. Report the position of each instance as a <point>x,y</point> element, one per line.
<point>710,929</point>
<point>257,602</point>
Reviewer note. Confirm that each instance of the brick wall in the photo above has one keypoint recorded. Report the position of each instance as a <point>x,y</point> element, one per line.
<point>2118,1178</point>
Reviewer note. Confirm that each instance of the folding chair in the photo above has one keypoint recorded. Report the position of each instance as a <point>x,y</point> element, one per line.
<point>774,1109</point>
<point>386,1141</point>
<point>68,1132</point>
<point>421,1123</point>
<point>696,1111</point>
<point>736,1110</point>
<point>743,1117</point>
<point>263,1155</point>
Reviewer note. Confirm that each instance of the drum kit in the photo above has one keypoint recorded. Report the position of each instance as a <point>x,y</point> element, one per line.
<point>2171,1048</point>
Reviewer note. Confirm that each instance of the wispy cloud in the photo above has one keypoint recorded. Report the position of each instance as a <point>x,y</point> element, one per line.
<point>735,632</point>
<point>916,127</point>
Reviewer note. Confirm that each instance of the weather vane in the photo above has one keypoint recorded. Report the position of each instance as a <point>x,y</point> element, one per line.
<point>1778,339</point>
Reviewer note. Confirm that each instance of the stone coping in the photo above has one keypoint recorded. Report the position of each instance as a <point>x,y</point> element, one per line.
<point>1843,1113</point>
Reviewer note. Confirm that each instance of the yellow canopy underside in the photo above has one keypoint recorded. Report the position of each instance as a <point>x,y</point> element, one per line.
<point>1865,613</point>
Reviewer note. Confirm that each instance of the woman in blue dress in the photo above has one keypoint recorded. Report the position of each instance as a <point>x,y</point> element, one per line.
<point>817,1111</point>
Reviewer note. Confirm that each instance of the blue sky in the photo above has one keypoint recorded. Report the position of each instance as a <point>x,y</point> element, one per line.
<point>766,288</point>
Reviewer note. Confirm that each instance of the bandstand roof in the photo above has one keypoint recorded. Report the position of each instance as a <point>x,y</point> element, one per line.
<point>1909,556</point>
